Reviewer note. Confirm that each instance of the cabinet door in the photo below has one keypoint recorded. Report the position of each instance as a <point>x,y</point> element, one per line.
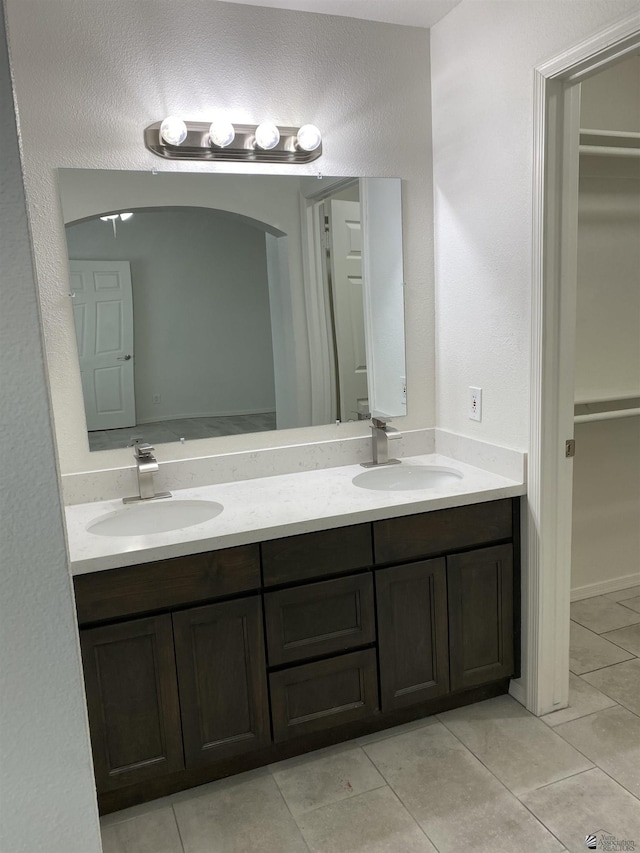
<point>132,698</point>
<point>480,616</point>
<point>222,679</point>
<point>412,633</point>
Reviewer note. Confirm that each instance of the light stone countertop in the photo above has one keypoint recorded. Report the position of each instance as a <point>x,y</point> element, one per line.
<point>273,507</point>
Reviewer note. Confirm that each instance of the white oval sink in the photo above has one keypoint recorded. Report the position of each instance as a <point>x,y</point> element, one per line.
<point>156,517</point>
<point>400,478</point>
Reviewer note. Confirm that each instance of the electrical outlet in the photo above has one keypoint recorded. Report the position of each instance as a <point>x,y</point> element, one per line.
<point>475,404</point>
<point>155,399</point>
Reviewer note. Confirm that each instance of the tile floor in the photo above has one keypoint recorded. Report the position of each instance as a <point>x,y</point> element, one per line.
<point>489,777</point>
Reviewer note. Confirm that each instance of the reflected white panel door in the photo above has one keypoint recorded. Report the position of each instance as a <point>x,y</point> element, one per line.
<point>103,314</point>
<point>345,245</point>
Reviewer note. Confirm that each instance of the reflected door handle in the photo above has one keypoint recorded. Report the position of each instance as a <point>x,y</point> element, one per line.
<point>123,357</point>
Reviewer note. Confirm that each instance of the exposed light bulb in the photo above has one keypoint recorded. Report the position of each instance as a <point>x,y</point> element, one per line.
<point>267,135</point>
<point>125,216</point>
<point>309,137</point>
<point>222,133</point>
<point>173,130</point>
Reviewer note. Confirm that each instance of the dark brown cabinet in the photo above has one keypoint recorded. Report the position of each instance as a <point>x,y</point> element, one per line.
<point>480,585</point>
<point>218,662</point>
<point>222,679</point>
<point>132,699</point>
<point>412,633</point>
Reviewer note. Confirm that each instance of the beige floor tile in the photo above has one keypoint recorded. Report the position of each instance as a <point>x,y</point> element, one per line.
<point>633,603</point>
<point>517,747</point>
<point>611,739</point>
<point>396,730</point>
<point>627,638</point>
<point>621,682</point>
<point>243,818</point>
<point>455,799</point>
<point>319,781</point>
<point>583,699</point>
<point>153,832</point>
<point>601,614</point>
<point>374,822</point>
<point>584,805</point>
<point>624,594</point>
<point>588,651</point>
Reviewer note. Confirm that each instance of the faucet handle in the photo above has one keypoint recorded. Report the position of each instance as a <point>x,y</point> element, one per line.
<point>142,449</point>
<point>378,423</point>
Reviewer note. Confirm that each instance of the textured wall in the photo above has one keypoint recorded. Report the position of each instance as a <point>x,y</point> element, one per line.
<point>483,58</point>
<point>90,75</point>
<point>47,799</point>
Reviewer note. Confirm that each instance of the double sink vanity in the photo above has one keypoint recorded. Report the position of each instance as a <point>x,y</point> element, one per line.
<point>233,625</point>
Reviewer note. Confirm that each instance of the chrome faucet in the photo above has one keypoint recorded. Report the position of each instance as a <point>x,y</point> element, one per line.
<point>381,434</point>
<point>146,467</point>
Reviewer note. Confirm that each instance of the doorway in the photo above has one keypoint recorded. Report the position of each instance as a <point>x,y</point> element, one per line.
<point>546,596</point>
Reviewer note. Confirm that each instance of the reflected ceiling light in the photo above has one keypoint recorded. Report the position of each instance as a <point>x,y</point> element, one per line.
<point>267,135</point>
<point>222,133</point>
<point>309,137</point>
<point>173,130</point>
<point>221,140</point>
<point>112,216</point>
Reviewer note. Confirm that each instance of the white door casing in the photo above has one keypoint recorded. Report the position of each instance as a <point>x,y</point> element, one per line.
<point>345,236</point>
<point>103,316</point>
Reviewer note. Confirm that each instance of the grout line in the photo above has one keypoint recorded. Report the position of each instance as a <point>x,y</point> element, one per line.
<point>607,666</point>
<point>175,817</point>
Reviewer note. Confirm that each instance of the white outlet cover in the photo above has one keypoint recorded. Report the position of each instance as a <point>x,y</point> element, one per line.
<point>475,403</point>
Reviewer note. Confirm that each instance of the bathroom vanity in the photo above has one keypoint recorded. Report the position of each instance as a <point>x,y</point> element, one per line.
<point>206,664</point>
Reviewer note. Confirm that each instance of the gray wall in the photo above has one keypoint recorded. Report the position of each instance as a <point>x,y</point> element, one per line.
<point>202,326</point>
<point>47,797</point>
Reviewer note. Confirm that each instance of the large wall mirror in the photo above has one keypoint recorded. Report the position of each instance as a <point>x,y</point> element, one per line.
<point>217,304</point>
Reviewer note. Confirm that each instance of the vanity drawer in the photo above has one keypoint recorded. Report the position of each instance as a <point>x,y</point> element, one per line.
<point>431,533</point>
<point>324,694</point>
<point>319,618</point>
<point>166,583</point>
<point>312,555</point>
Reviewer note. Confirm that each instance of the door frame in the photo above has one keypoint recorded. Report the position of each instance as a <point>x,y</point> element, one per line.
<point>544,685</point>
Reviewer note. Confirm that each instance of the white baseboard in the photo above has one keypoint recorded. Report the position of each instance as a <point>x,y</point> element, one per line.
<point>590,590</point>
<point>516,689</point>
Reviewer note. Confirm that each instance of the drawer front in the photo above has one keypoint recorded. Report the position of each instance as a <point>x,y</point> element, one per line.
<point>312,555</point>
<point>319,618</point>
<point>444,530</point>
<point>322,695</point>
<point>167,583</point>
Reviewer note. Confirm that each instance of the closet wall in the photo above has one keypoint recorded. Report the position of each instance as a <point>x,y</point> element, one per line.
<point>606,494</point>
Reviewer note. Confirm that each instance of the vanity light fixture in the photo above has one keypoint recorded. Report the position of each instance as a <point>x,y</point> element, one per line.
<point>264,143</point>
